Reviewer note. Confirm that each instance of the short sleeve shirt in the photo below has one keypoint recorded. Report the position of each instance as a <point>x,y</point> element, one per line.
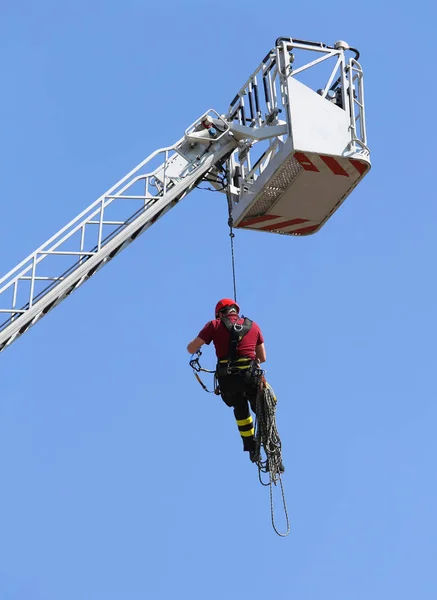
<point>216,332</point>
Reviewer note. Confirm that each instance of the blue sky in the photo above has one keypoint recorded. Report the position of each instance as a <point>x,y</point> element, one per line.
<point>120,478</point>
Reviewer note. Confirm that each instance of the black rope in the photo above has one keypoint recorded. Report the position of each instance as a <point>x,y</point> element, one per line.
<point>232,236</point>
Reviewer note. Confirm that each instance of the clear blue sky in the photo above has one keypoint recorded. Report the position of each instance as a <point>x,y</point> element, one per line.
<point>120,478</point>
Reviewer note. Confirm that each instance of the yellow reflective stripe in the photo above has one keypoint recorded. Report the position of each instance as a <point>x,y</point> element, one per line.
<point>225,360</point>
<point>241,368</point>
<point>248,433</point>
<point>244,421</point>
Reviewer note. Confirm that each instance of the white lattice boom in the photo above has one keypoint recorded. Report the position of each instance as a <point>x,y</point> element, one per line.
<point>286,175</point>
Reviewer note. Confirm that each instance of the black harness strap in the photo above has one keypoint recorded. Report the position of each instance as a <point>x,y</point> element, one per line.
<point>237,332</point>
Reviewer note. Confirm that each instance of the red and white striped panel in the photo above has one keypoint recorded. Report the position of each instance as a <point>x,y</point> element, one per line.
<point>344,167</point>
<point>275,223</point>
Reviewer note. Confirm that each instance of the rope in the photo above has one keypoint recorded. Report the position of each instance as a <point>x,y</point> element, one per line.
<point>272,510</point>
<point>266,433</point>
<point>232,236</point>
<point>267,437</point>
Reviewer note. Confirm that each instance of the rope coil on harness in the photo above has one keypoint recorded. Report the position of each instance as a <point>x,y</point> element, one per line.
<point>267,437</point>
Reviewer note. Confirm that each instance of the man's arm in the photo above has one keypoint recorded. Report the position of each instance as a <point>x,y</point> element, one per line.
<point>205,337</point>
<point>195,345</point>
<point>260,352</point>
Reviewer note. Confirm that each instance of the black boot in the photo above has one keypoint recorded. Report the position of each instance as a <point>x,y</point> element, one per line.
<point>249,444</point>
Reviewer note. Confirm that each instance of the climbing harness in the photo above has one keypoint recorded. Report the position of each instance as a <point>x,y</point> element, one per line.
<point>237,332</point>
<point>267,437</point>
<point>230,365</point>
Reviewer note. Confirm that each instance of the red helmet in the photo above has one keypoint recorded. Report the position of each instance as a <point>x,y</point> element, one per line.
<point>225,303</point>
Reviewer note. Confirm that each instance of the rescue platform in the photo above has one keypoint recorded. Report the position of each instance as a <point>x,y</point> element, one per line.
<point>295,182</point>
<point>299,193</point>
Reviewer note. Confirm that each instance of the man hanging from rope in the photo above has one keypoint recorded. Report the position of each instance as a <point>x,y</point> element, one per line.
<point>239,345</point>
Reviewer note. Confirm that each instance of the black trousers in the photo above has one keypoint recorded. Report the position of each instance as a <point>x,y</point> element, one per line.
<point>240,392</point>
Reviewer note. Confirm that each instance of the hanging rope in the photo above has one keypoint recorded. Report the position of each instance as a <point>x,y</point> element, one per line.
<point>232,236</point>
<point>267,437</point>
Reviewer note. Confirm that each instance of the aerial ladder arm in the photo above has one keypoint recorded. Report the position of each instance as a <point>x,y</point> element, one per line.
<point>100,232</point>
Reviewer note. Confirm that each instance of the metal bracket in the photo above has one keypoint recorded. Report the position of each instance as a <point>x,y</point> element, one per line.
<point>242,132</point>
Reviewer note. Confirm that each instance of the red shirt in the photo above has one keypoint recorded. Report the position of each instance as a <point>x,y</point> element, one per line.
<point>215,331</point>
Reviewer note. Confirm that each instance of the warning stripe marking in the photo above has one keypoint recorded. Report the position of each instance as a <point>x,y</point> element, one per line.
<point>254,220</point>
<point>334,165</point>
<point>283,224</point>
<point>265,223</point>
<point>360,166</point>
<point>305,162</point>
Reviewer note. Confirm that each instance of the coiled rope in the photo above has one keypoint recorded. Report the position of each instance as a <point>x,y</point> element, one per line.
<point>267,438</point>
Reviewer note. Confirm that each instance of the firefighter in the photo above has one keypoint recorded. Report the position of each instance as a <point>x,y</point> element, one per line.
<point>239,346</point>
